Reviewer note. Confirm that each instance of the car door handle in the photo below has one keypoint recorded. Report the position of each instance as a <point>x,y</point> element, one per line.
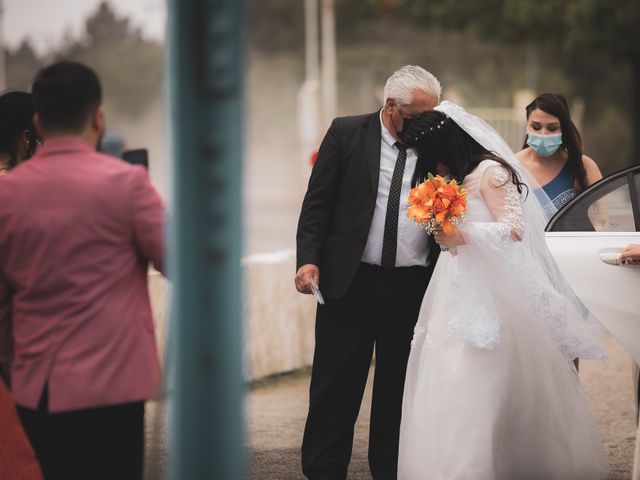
<point>613,258</point>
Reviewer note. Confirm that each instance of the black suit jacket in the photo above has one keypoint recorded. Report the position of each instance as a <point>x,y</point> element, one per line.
<point>338,207</point>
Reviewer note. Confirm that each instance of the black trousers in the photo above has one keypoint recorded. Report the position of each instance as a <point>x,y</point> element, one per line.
<point>379,311</point>
<point>96,443</point>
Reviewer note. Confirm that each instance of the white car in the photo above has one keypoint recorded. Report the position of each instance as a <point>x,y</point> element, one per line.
<point>586,238</point>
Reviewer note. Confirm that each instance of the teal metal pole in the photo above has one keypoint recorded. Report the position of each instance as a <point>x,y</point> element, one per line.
<point>205,71</point>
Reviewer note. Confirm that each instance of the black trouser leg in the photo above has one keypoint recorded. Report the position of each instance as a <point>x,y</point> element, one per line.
<point>97,443</point>
<point>403,292</point>
<point>344,346</point>
<point>108,442</point>
<point>46,438</point>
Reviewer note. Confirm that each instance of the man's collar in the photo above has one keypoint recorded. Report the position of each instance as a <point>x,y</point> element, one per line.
<point>64,144</point>
<point>386,134</point>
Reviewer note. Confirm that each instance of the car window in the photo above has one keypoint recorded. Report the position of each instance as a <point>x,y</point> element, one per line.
<point>607,207</point>
<point>613,212</point>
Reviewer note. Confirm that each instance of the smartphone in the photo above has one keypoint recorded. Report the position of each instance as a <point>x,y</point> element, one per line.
<point>139,156</point>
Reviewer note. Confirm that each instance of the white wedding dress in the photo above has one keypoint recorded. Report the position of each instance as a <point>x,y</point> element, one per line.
<point>491,392</point>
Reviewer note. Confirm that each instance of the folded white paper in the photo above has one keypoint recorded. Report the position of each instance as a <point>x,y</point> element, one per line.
<point>316,292</point>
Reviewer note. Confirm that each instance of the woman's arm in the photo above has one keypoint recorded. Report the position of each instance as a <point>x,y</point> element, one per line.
<point>593,172</point>
<point>504,201</point>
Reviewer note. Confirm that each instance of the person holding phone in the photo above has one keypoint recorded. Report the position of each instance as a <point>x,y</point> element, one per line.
<point>80,229</point>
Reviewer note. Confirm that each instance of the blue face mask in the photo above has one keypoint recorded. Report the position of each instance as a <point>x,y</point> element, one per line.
<point>544,145</point>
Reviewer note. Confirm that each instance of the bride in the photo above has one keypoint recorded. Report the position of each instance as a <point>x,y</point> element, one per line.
<point>491,392</point>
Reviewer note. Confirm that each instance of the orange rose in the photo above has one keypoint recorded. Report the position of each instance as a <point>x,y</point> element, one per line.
<point>417,213</point>
<point>414,197</point>
<point>458,207</point>
<point>447,227</point>
<point>441,216</point>
<point>426,191</point>
<point>457,211</point>
<point>437,181</point>
<point>448,190</point>
<point>438,205</point>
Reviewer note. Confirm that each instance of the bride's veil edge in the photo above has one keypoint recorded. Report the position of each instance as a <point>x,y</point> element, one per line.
<point>537,210</point>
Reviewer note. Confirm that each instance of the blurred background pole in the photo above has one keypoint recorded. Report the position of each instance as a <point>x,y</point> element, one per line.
<point>309,93</point>
<point>312,52</point>
<point>3,71</point>
<point>205,86</point>
<point>531,68</point>
<point>329,75</point>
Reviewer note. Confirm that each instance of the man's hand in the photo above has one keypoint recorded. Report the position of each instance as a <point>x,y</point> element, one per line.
<point>304,275</point>
<point>631,254</point>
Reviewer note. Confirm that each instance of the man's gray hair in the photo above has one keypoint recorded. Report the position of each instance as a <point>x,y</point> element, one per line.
<point>404,81</point>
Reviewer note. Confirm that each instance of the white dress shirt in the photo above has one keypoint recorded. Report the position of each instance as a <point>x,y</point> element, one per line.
<point>412,240</point>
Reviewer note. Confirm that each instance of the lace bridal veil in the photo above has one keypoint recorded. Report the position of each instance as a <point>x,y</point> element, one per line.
<point>523,272</point>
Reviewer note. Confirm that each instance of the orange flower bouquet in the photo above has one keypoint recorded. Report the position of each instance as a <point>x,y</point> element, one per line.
<point>437,205</point>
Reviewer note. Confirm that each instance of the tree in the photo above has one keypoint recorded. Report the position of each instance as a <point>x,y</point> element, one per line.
<point>105,27</point>
<point>22,65</point>
<point>275,26</point>
<point>578,28</point>
<point>612,28</point>
<point>130,67</point>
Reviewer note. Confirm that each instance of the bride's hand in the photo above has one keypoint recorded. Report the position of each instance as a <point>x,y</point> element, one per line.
<point>449,241</point>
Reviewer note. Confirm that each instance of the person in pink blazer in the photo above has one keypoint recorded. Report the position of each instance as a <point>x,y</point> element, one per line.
<point>78,230</point>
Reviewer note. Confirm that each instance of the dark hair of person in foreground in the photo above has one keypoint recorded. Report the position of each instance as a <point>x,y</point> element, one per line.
<point>18,138</point>
<point>65,95</point>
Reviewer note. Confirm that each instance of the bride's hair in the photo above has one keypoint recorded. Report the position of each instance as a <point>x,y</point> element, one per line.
<point>439,139</point>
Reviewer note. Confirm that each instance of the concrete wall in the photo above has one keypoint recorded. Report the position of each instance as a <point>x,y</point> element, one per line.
<point>279,322</point>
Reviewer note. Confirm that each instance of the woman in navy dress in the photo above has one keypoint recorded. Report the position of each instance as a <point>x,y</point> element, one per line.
<point>552,151</point>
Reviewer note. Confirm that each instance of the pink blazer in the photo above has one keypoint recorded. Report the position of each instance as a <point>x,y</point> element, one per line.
<point>77,231</point>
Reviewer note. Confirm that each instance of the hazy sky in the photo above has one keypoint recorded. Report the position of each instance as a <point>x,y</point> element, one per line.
<point>46,21</point>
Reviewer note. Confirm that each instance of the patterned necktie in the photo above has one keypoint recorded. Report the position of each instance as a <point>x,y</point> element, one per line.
<point>390,240</point>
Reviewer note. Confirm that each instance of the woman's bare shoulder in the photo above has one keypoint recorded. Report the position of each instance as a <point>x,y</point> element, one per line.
<point>591,168</point>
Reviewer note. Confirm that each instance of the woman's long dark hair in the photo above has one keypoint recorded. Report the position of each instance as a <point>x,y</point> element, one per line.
<point>16,118</point>
<point>556,105</point>
<point>439,139</point>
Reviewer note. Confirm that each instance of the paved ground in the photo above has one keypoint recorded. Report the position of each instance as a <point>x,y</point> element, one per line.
<point>277,408</point>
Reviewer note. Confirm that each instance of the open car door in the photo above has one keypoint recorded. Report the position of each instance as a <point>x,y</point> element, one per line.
<point>586,238</point>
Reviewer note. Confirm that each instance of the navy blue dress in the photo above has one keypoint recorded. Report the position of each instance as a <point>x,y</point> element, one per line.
<point>560,189</point>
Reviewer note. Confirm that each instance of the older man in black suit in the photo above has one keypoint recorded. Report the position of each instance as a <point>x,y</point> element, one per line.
<point>372,265</point>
